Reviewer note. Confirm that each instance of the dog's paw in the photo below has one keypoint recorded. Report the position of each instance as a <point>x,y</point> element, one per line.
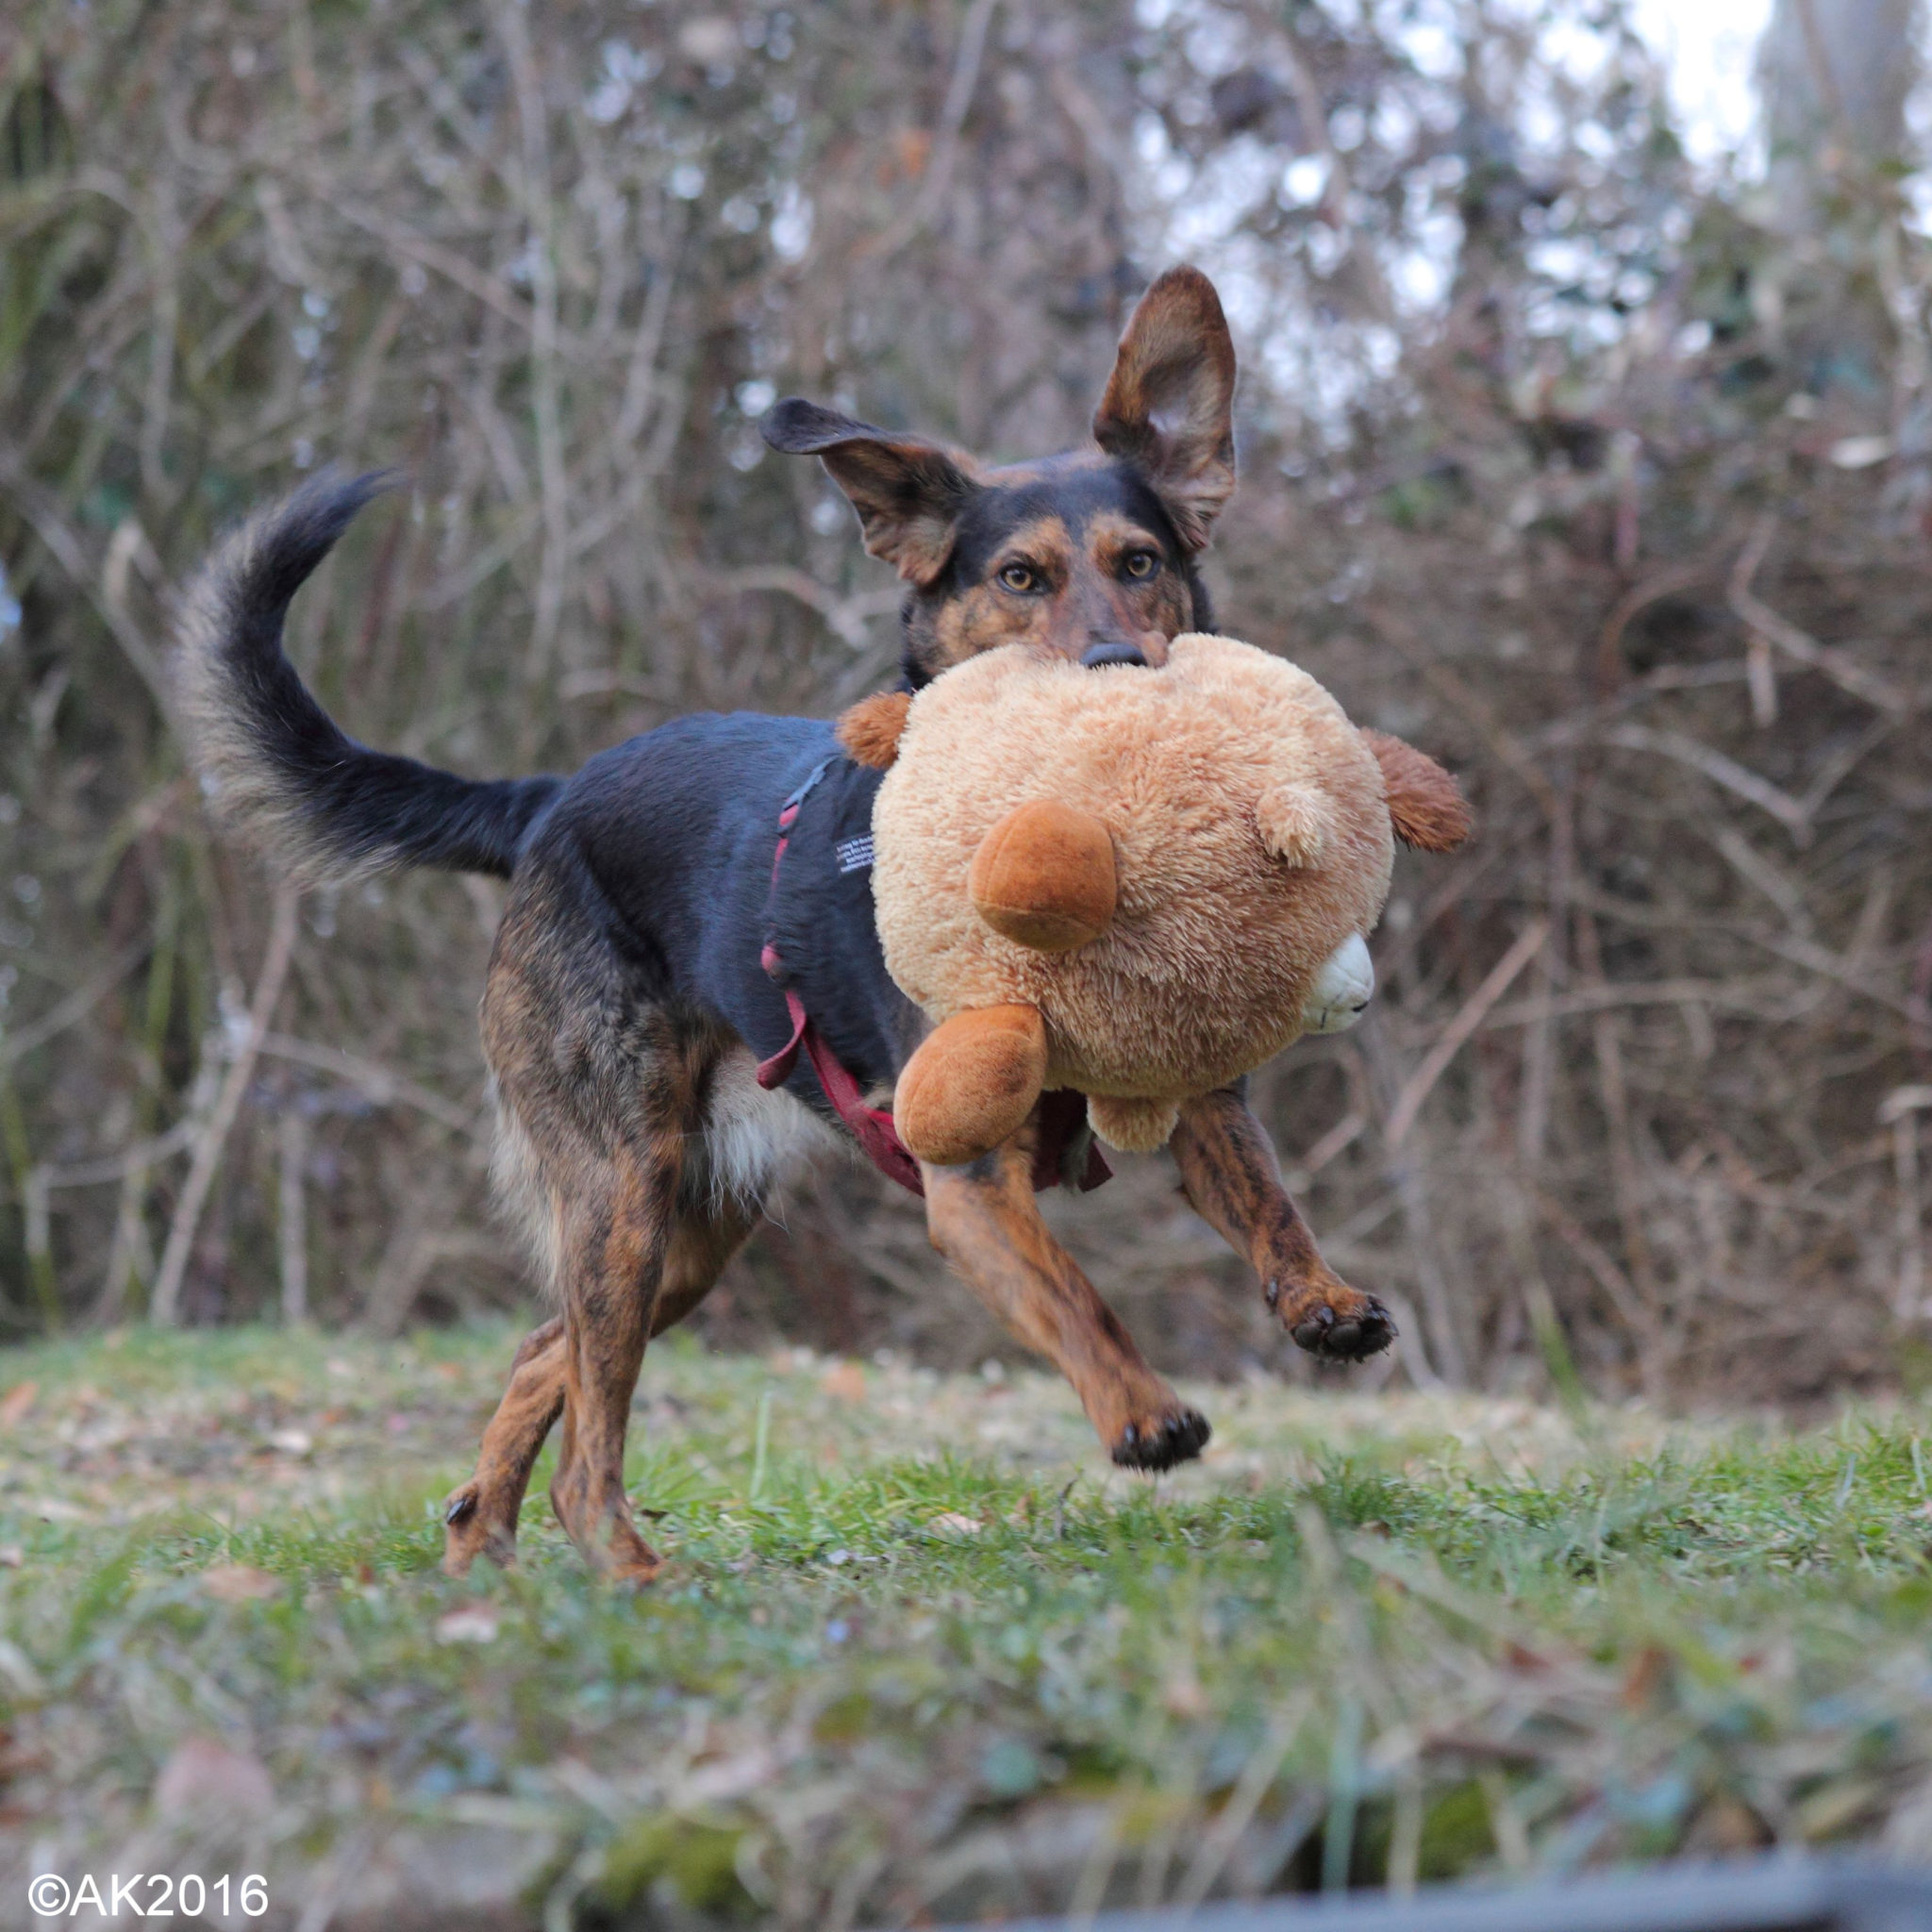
<point>636,1572</point>
<point>1341,1325</point>
<point>1176,1435</point>
<point>462,1543</point>
<point>471,1530</point>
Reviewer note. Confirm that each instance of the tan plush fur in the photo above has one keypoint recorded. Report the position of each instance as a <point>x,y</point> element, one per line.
<point>1424,805</point>
<point>870,729</point>
<point>972,1083</point>
<point>1045,876</point>
<point>1135,1127</point>
<point>1251,834</point>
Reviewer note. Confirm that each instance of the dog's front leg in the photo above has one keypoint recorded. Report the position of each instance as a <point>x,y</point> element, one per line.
<point>1233,1183</point>
<point>982,1217</point>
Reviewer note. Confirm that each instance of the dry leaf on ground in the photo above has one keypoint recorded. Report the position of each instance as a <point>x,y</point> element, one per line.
<point>239,1583</point>
<point>472,1623</point>
<point>203,1774</point>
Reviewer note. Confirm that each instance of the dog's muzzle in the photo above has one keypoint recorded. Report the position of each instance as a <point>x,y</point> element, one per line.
<point>1342,989</point>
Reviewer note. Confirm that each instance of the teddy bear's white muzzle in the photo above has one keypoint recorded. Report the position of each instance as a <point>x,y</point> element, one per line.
<point>1342,989</point>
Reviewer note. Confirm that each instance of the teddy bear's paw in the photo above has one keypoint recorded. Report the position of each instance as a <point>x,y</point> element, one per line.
<point>1340,1328</point>
<point>1177,1435</point>
<point>1132,1127</point>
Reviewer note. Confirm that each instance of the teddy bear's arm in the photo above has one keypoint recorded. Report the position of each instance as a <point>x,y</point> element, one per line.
<point>869,730</point>
<point>971,1084</point>
<point>1426,804</point>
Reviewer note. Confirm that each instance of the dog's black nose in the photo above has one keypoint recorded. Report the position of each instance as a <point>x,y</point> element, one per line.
<point>1095,656</point>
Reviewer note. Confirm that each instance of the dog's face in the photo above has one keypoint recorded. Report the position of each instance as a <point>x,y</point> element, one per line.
<point>1088,556</point>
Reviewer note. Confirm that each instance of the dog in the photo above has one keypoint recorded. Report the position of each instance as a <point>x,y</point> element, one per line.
<point>657,967</point>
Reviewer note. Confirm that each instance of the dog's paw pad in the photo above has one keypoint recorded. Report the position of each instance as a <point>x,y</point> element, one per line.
<point>1360,1330</point>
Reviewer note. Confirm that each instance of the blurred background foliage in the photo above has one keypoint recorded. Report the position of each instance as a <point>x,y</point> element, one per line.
<point>1604,477</point>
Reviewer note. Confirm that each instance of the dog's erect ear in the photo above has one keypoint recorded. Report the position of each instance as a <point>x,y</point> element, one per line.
<point>908,493</point>
<point>1426,804</point>
<point>1169,404</point>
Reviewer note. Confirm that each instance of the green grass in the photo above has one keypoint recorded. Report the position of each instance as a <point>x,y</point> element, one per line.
<point>927,1655</point>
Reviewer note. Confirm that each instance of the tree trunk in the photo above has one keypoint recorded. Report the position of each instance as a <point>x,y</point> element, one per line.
<point>1833,77</point>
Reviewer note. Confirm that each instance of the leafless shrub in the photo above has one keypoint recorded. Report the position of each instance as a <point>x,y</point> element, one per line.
<point>1533,473</point>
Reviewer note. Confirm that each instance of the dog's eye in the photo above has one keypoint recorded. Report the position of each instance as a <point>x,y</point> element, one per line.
<point>1141,564</point>
<point>1021,577</point>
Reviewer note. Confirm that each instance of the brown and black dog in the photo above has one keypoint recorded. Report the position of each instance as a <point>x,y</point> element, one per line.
<point>630,994</point>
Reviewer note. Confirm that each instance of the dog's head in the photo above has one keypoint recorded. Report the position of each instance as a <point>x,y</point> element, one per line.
<point>1088,556</point>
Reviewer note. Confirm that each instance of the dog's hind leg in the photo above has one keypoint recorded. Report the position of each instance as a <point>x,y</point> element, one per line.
<point>701,1243</point>
<point>983,1218</point>
<point>482,1514</point>
<point>480,1518</point>
<point>614,1239</point>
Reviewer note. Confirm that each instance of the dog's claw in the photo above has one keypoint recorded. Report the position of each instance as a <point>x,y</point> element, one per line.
<point>1177,1437</point>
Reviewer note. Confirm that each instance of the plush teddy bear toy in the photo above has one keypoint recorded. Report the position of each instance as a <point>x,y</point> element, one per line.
<point>1135,882</point>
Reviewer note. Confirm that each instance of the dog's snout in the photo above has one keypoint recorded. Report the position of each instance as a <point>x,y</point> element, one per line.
<point>1118,651</point>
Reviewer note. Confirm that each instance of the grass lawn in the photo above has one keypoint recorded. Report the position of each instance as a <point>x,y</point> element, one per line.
<point>922,1655</point>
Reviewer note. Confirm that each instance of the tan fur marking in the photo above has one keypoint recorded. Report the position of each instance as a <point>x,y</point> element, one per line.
<point>1044,544</point>
<point>1109,537</point>
<point>983,618</point>
<point>1086,596</point>
<point>615,1238</point>
<point>1153,611</point>
<point>482,1513</point>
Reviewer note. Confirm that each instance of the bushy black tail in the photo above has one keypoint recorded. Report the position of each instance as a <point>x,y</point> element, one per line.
<point>275,763</point>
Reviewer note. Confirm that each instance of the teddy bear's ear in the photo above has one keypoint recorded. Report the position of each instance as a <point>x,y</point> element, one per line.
<point>908,493</point>
<point>1425,806</point>
<point>871,729</point>
<point>1295,823</point>
<point>1168,407</point>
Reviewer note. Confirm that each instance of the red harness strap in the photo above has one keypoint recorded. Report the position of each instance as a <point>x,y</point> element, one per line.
<point>872,1126</point>
<point>1061,1115</point>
